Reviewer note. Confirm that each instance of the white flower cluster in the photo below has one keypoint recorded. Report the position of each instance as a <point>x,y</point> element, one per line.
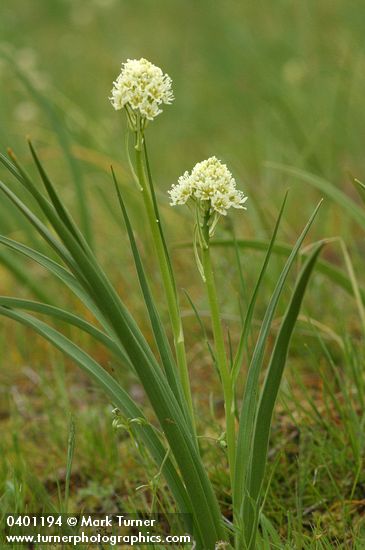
<point>142,86</point>
<point>210,181</point>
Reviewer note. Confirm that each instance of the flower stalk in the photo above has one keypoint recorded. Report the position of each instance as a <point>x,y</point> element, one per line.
<point>167,277</point>
<point>221,355</point>
<point>141,89</point>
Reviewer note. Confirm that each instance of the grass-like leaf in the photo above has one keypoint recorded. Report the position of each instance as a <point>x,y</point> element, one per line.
<point>353,210</point>
<point>249,403</point>
<point>117,395</point>
<point>156,324</point>
<point>336,275</point>
<point>268,396</point>
<point>59,207</point>
<point>71,319</point>
<point>360,188</point>
<point>250,310</point>
<point>16,268</point>
<point>59,271</point>
<point>91,277</point>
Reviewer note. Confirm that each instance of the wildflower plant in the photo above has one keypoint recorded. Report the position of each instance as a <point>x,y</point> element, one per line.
<point>141,90</point>
<point>211,191</point>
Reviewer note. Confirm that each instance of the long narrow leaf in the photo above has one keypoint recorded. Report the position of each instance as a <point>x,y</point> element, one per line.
<point>157,212</point>
<point>354,283</point>
<point>59,207</point>
<point>335,274</point>
<point>82,264</point>
<point>39,225</point>
<point>248,319</point>
<point>90,275</point>
<point>16,268</point>
<point>190,468</point>
<point>70,319</point>
<point>268,398</point>
<point>116,393</point>
<point>242,284</point>
<point>156,324</point>
<point>360,187</point>
<point>353,210</point>
<point>58,270</point>
<point>249,403</point>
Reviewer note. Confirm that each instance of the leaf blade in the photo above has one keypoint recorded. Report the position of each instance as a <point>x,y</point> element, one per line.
<point>118,395</point>
<point>249,403</point>
<point>247,322</point>
<point>69,318</point>
<point>335,274</point>
<point>155,320</point>
<point>338,196</point>
<point>268,396</point>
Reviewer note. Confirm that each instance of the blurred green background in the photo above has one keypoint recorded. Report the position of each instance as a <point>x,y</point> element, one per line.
<point>254,82</point>
<point>259,81</point>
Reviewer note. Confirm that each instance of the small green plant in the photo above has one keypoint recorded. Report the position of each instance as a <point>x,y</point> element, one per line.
<point>210,191</point>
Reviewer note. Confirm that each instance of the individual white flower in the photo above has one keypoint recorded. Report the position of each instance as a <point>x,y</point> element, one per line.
<point>237,198</point>
<point>181,192</point>
<point>211,185</point>
<point>220,203</point>
<point>143,87</point>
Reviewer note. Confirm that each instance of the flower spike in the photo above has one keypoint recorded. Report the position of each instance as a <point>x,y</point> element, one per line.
<point>141,88</point>
<point>211,186</point>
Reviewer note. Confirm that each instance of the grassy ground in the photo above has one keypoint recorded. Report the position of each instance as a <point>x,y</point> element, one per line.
<point>254,84</point>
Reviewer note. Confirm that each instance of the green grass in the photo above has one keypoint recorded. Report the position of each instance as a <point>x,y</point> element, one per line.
<point>257,86</point>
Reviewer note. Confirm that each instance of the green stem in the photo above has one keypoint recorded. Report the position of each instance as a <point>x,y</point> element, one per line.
<point>221,356</point>
<point>168,283</point>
